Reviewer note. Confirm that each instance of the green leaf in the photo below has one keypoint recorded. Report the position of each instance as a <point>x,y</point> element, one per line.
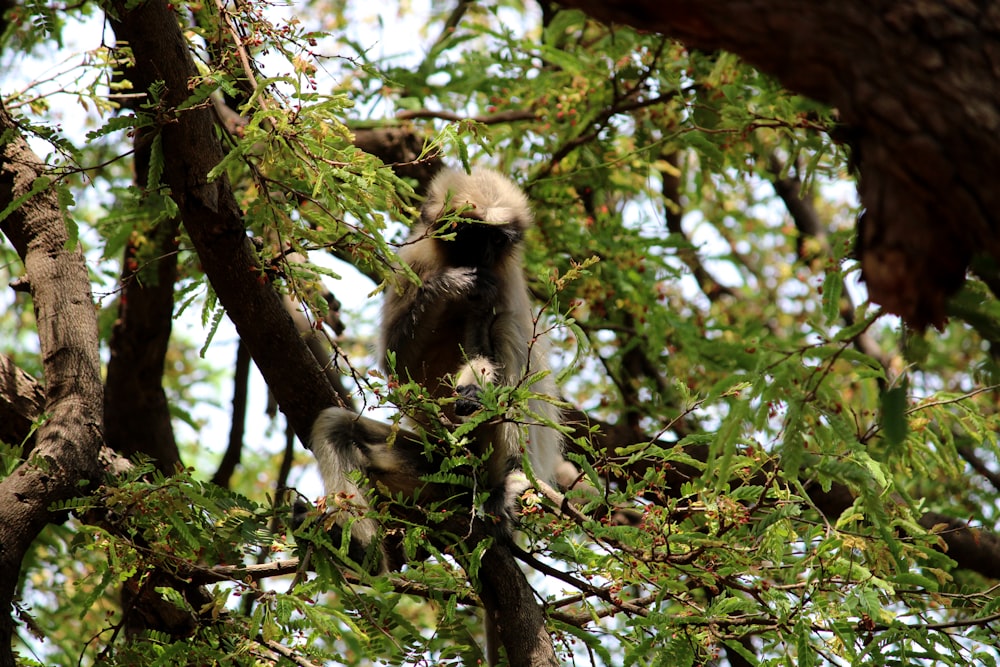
<point>833,289</point>
<point>893,415</point>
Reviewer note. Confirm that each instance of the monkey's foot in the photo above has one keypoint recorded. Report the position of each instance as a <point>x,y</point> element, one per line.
<point>504,504</point>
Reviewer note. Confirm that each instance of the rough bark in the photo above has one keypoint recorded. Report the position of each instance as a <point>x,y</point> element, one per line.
<point>319,344</point>
<point>915,84</point>
<point>69,442</point>
<point>21,401</point>
<point>513,612</point>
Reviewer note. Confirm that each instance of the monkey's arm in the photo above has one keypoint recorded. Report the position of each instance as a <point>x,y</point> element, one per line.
<point>416,319</point>
<point>497,339</point>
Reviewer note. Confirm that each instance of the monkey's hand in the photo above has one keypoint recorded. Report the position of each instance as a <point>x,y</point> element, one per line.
<point>478,287</point>
<point>455,284</point>
<point>470,382</point>
<point>468,399</point>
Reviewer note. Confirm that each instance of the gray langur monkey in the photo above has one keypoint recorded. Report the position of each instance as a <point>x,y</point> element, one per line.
<point>467,324</point>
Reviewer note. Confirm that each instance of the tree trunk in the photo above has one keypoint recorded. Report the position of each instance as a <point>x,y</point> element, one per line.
<point>68,443</point>
<point>512,613</point>
<point>136,410</point>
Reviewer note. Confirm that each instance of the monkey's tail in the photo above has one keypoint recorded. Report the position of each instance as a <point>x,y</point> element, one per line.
<point>335,446</point>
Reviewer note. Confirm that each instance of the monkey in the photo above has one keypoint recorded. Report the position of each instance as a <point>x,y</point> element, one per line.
<point>468,324</point>
<point>471,319</point>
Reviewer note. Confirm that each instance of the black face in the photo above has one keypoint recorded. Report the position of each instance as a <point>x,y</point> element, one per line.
<point>477,243</point>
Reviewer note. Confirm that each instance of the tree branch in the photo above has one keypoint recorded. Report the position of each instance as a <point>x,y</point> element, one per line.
<point>136,411</point>
<point>972,548</point>
<point>788,187</point>
<point>914,84</point>
<point>671,187</point>
<point>21,401</point>
<point>214,221</point>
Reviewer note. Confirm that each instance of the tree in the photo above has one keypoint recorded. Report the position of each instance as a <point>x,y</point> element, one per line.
<point>888,69</point>
<point>786,474</point>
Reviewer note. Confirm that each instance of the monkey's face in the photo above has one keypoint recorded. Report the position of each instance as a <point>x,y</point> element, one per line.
<point>483,214</point>
<point>477,243</point>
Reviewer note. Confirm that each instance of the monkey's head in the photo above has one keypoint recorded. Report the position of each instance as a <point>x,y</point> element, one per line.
<point>485,212</point>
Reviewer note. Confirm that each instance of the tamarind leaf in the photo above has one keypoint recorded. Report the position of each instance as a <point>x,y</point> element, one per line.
<point>894,423</point>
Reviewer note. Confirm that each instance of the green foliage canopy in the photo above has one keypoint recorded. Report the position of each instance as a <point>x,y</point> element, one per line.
<point>793,460</point>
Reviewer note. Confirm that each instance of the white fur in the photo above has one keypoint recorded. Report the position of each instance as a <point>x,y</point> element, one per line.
<point>337,456</point>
